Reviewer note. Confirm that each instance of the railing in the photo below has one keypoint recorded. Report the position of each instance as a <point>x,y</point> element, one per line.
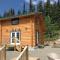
<point>2,53</point>
<point>23,55</point>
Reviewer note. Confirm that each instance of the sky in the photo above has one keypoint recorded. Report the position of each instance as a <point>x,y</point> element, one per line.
<point>5,5</point>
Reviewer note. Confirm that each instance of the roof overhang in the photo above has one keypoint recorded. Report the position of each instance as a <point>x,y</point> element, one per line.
<point>20,16</point>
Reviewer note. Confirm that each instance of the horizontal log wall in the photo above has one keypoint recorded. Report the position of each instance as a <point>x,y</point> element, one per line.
<point>25,27</point>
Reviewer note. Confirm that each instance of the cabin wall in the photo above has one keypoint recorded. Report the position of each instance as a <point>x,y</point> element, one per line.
<point>25,27</point>
<point>0,34</point>
<point>40,28</point>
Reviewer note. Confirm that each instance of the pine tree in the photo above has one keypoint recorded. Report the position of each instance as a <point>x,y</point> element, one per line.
<point>31,7</point>
<point>40,8</point>
<point>47,7</point>
<point>10,12</point>
<point>58,2</point>
<point>24,8</point>
<point>0,16</point>
<point>5,14</point>
<point>19,12</point>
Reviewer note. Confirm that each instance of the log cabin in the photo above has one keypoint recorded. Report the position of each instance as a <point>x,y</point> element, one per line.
<point>27,29</point>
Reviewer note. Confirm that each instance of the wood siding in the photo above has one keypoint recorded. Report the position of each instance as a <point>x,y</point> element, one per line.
<point>28,25</point>
<point>25,27</point>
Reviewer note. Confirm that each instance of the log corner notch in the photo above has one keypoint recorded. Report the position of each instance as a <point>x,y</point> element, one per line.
<point>40,26</point>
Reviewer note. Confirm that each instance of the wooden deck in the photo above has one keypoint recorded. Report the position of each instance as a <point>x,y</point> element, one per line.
<point>12,55</point>
<point>33,58</point>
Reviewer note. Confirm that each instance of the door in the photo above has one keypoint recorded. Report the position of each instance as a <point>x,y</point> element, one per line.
<point>15,38</point>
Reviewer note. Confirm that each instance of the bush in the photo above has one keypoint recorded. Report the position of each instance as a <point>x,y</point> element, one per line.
<point>40,46</point>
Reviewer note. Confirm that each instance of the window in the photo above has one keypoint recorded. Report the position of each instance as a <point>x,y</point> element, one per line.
<point>15,38</point>
<point>15,21</point>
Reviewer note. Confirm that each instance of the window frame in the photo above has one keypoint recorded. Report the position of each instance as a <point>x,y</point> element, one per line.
<point>12,38</point>
<point>15,21</point>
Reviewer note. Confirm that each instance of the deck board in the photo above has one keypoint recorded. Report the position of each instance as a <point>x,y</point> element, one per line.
<point>11,55</point>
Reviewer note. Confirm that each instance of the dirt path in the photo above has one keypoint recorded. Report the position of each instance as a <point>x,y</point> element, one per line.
<point>43,52</point>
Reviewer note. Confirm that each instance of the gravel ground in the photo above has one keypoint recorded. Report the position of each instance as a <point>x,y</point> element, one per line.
<point>35,53</point>
<point>43,52</point>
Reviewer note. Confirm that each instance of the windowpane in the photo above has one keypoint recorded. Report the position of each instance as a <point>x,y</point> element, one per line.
<point>15,37</point>
<point>18,37</point>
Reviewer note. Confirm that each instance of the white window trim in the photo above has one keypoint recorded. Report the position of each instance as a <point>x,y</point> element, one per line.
<point>15,36</point>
